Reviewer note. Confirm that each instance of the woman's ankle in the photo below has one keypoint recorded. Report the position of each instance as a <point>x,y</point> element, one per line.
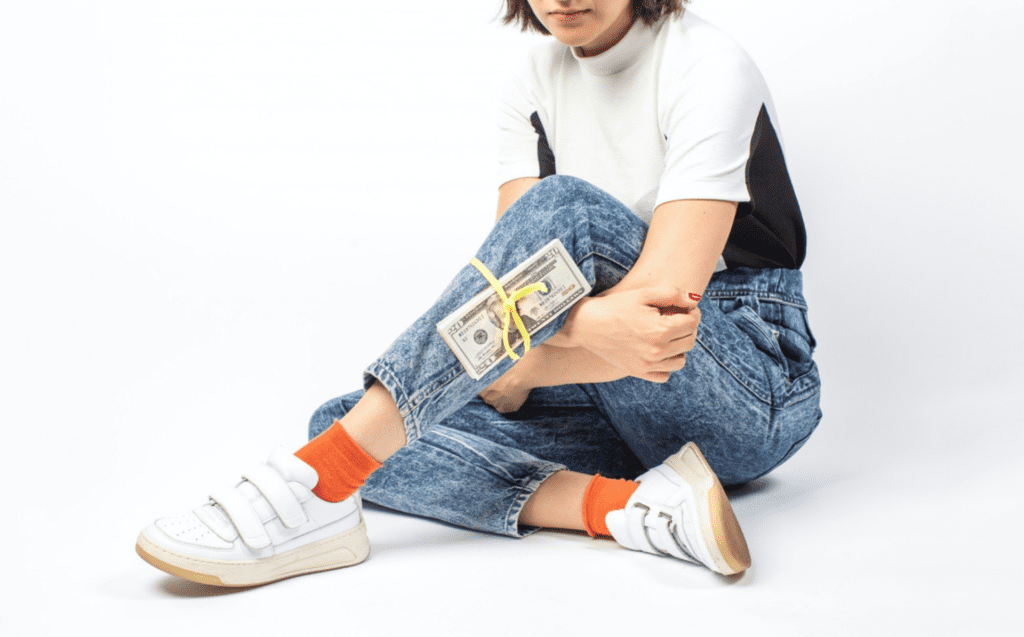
<point>375,424</point>
<point>558,502</point>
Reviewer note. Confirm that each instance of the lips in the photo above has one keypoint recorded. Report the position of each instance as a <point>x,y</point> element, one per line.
<point>568,16</point>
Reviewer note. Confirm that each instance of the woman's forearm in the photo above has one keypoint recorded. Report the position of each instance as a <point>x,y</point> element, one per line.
<point>548,366</point>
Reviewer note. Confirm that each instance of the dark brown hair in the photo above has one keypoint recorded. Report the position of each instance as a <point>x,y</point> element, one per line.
<point>650,11</point>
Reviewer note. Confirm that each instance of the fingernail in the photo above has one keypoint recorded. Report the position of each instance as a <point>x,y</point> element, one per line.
<point>694,297</point>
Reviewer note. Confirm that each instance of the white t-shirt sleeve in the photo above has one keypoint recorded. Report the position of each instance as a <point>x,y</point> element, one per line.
<point>517,137</point>
<point>709,101</point>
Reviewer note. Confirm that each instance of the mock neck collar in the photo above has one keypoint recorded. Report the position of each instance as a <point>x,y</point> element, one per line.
<point>625,52</point>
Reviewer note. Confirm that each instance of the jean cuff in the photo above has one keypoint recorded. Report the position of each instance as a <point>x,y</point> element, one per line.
<point>381,373</point>
<point>528,488</point>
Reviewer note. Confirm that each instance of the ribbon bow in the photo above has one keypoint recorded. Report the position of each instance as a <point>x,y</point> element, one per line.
<point>508,304</point>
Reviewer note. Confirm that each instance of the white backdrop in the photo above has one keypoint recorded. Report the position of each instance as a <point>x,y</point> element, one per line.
<point>214,214</point>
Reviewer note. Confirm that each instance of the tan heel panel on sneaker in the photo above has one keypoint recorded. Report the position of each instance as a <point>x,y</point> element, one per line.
<point>728,534</point>
<point>692,465</point>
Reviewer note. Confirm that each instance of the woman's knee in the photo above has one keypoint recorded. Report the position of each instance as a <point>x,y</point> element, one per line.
<point>564,199</point>
<point>742,437</point>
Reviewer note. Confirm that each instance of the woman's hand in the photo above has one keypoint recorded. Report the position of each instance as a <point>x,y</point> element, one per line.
<point>508,393</point>
<point>644,332</point>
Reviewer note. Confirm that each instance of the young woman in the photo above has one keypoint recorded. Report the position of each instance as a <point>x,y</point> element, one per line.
<point>644,140</point>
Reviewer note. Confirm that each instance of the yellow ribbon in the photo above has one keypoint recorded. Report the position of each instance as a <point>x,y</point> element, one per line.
<point>508,304</point>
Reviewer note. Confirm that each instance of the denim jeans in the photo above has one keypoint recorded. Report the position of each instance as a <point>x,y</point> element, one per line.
<point>748,395</point>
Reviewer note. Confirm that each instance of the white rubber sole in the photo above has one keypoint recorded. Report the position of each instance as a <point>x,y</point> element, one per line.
<point>345,549</point>
<point>719,528</point>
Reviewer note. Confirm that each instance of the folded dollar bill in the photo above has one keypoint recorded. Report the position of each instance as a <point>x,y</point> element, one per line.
<point>473,331</point>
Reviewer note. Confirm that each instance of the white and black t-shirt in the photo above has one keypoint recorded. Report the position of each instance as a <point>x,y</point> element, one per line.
<point>673,111</point>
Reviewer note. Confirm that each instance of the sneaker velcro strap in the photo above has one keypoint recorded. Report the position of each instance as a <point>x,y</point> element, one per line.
<point>278,494</point>
<point>637,516</point>
<point>665,534</point>
<point>243,516</point>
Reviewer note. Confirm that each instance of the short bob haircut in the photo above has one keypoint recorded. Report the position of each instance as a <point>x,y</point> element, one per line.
<point>650,11</point>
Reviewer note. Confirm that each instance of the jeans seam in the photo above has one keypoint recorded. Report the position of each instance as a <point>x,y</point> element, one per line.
<point>593,223</point>
<point>438,385</point>
<point>595,253</point>
<point>526,490</point>
<point>524,487</point>
<point>798,398</point>
<point>405,409</point>
<point>485,458</point>
<point>761,296</point>
<point>765,330</point>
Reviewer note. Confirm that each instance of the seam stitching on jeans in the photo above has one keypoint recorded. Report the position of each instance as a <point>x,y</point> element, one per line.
<point>762,327</point>
<point>608,259</point>
<point>549,469</point>
<point>383,370</point>
<point>486,459</point>
<point>427,392</point>
<point>422,397</point>
<point>761,296</point>
<point>801,396</point>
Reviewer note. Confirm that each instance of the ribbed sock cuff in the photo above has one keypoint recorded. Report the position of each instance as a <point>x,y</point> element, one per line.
<point>342,464</point>
<point>602,496</point>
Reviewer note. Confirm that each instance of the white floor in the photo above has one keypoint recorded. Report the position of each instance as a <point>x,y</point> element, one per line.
<point>889,538</point>
<point>213,215</point>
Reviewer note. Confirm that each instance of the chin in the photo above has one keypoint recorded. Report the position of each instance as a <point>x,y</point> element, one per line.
<point>573,40</point>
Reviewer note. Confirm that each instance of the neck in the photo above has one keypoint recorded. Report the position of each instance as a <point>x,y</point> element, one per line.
<point>622,26</point>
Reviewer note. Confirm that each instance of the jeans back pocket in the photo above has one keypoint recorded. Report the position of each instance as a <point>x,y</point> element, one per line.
<point>780,330</point>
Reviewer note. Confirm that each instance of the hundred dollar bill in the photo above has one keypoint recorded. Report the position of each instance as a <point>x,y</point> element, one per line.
<point>473,331</point>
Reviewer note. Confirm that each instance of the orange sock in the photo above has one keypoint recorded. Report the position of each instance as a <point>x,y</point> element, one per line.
<point>342,465</point>
<point>602,496</point>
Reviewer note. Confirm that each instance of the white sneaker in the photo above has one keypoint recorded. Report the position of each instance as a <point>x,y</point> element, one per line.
<point>267,528</point>
<point>680,510</point>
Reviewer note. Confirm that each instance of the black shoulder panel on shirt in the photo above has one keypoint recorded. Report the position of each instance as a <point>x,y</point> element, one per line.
<point>545,157</point>
<point>769,230</point>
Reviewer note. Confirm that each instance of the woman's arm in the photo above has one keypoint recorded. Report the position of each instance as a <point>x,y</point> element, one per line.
<point>644,325</point>
<point>650,317</point>
<point>546,366</point>
<point>683,244</point>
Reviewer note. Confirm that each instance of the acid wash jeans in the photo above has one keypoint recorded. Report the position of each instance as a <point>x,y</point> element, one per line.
<point>748,395</point>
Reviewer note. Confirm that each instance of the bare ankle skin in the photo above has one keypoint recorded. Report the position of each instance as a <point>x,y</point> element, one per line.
<point>375,424</point>
<point>558,502</point>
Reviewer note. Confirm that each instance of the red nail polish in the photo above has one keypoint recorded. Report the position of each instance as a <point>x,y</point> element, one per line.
<point>694,297</point>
